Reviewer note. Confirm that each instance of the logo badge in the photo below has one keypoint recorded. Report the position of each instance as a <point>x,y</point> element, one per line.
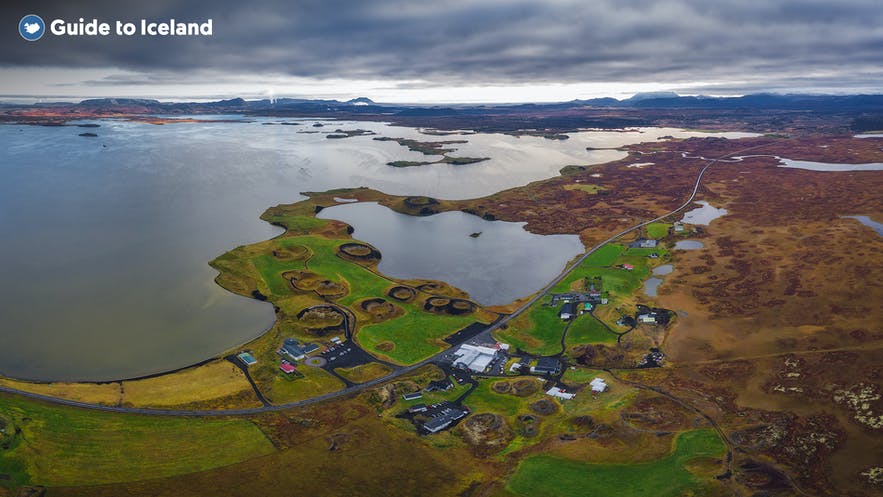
<point>31,27</point>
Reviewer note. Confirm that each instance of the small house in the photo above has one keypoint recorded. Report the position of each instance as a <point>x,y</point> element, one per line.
<point>287,368</point>
<point>598,385</point>
<point>567,311</point>
<point>628,267</point>
<point>293,349</point>
<point>417,408</point>
<point>412,396</point>
<point>560,393</point>
<point>247,359</point>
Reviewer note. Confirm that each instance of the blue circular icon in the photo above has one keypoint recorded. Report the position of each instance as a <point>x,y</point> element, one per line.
<point>31,27</point>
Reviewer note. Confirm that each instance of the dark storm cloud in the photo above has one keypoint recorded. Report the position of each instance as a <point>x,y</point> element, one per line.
<point>763,43</point>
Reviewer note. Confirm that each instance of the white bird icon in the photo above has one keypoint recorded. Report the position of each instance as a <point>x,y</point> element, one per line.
<point>32,27</point>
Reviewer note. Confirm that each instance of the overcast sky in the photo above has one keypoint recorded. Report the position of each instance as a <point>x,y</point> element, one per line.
<point>452,51</point>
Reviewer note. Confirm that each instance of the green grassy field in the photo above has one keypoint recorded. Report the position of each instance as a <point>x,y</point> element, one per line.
<point>546,476</point>
<point>587,329</point>
<point>484,399</point>
<point>539,331</point>
<point>59,446</point>
<point>657,230</point>
<point>416,335</point>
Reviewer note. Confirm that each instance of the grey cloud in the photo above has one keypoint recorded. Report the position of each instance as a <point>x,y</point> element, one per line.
<point>466,42</point>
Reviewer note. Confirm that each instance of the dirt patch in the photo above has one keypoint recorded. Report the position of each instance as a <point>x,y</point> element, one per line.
<point>452,306</point>
<point>501,387</point>
<point>380,310</point>
<point>486,433</point>
<point>525,387</point>
<point>331,289</point>
<point>582,423</point>
<point>385,346</point>
<point>302,280</point>
<point>320,317</point>
<point>402,293</point>
<point>544,407</point>
<point>359,252</point>
<point>293,253</point>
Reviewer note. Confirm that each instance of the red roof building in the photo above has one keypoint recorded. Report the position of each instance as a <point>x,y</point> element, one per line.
<point>286,368</point>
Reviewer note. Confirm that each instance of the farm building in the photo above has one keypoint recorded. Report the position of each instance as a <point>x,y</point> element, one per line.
<point>598,385</point>
<point>547,365</point>
<point>560,393</point>
<point>412,396</point>
<point>287,368</point>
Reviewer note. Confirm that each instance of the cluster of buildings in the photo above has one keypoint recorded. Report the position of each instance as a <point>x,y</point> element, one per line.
<point>480,358</point>
<point>293,350</point>
<point>437,417</point>
<point>576,303</point>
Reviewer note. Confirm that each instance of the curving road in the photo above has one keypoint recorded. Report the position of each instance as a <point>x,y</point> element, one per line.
<point>350,390</point>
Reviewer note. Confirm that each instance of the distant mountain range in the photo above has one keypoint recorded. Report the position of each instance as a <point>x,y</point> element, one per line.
<point>762,112</point>
<point>659,100</point>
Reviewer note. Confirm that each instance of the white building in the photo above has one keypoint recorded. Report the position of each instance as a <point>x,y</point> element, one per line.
<point>598,385</point>
<point>476,358</point>
<point>561,394</point>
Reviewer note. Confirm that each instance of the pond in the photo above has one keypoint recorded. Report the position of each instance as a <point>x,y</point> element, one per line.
<point>704,214</point>
<point>651,286</point>
<point>689,245</point>
<point>502,264</point>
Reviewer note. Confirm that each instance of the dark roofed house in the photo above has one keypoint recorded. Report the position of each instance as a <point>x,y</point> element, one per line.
<point>417,408</point>
<point>292,348</point>
<point>438,424</point>
<point>444,419</point>
<point>412,396</point>
<point>439,385</point>
<point>547,365</point>
<point>568,310</point>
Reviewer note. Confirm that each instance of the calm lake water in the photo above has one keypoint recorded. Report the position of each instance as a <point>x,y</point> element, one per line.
<point>703,215</point>
<point>651,285</point>
<point>502,264</point>
<point>689,245</point>
<point>107,239</point>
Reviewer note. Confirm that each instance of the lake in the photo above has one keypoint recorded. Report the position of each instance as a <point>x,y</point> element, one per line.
<point>688,245</point>
<point>502,264</point>
<point>107,239</point>
<point>703,215</point>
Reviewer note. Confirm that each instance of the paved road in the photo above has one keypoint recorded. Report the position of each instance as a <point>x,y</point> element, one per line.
<point>350,390</point>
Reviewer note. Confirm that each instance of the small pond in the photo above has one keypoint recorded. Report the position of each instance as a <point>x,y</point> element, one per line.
<point>689,245</point>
